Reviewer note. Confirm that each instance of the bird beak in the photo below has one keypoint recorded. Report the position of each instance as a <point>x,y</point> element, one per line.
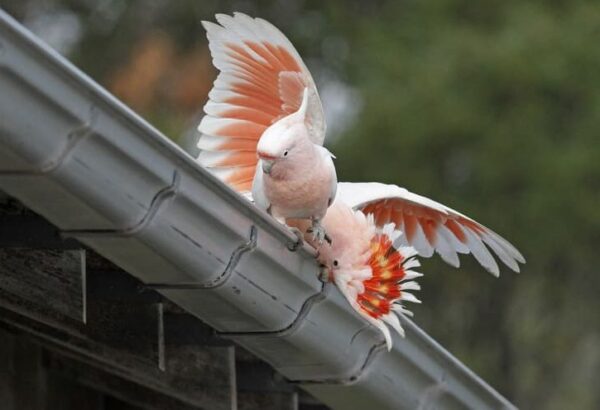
<point>267,162</point>
<point>267,165</point>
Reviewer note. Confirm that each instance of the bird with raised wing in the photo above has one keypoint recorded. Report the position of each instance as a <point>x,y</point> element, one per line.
<point>263,134</point>
<point>264,125</point>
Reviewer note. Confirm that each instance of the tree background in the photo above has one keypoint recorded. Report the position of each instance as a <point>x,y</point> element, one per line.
<point>490,107</point>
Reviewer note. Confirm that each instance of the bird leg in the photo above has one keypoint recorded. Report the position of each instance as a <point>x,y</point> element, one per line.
<point>318,232</point>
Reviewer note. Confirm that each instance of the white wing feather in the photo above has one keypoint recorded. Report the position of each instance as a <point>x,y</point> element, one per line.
<point>449,231</point>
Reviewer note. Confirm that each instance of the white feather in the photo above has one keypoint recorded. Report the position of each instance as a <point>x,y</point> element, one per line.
<point>413,263</point>
<point>411,285</point>
<point>209,142</point>
<point>411,274</point>
<point>235,25</point>
<point>457,245</point>
<point>383,328</point>
<point>211,125</point>
<point>408,252</point>
<point>409,297</point>
<point>393,321</point>
<point>219,96</point>
<point>253,27</point>
<point>420,242</point>
<point>510,249</point>
<point>223,172</point>
<point>480,252</point>
<point>445,250</point>
<point>401,309</point>
<point>212,143</point>
<point>500,251</point>
<point>211,158</point>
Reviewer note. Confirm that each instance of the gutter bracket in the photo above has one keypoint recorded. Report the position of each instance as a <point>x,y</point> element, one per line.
<point>157,201</point>
<point>222,279</point>
<point>346,381</point>
<point>234,259</point>
<point>289,329</point>
<point>74,137</point>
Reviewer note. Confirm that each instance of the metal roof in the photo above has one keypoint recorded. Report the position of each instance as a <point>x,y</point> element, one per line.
<point>76,155</point>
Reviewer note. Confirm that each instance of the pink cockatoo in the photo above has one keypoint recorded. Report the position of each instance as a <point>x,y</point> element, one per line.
<point>264,125</point>
<point>377,230</point>
<point>367,265</point>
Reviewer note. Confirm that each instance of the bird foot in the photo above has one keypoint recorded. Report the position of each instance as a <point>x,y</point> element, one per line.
<point>323,275</point>
<point>318,233</point>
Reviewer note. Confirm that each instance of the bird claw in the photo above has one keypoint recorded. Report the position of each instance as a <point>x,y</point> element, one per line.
<point>323,275</point>
<point>318,234</point>
<point>294,246</point>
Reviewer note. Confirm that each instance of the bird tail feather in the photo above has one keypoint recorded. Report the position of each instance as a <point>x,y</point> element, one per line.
<point>378,296</point>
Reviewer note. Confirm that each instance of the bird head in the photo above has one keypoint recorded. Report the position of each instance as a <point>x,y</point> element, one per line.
<point>285,138</point>
<point>350,233</point>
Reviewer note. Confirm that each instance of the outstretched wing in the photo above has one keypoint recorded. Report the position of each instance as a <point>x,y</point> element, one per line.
<point>262,79</point>
<point>429,226</point>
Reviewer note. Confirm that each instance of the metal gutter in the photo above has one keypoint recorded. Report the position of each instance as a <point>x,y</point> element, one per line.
<point>73,153</point>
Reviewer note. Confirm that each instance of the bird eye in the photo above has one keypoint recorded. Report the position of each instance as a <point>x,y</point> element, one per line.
<point>335,263</point>
<point>286,152</point>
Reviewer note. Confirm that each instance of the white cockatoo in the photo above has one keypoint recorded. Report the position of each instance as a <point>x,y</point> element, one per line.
<point>369,267</point>
<point>264,126</point>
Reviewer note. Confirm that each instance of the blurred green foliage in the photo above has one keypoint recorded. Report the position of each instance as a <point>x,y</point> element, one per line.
<point>492,108</point>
